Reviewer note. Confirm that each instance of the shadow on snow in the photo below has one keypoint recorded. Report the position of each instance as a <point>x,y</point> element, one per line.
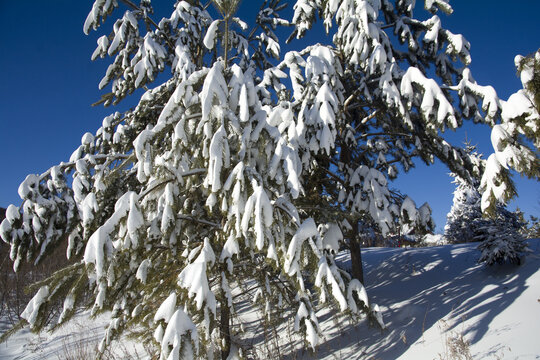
<point>419,287</point>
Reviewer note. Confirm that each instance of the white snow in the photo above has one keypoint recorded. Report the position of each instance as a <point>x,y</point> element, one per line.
<point>498,135</point>
<point>12,213</point>
<point>219,157</point>
<point>69,303</point>
<point>355,286</point>
<point>28,185</point>
<point>488,182</point>
<point>311,334</point>
<point>194,279</point>
<point>178,326</point>
<point>135,220</point>
<point>99,246</point>
<point>306,230</point>
<point>211,33</point>
<point>87,139</point>
<point>429,298</point>
<point>142,270</point>
<point>89,208</point>
<point>214,86</point>
<point>432,95</point>
<point>166,309</point>
<point>30,313</point>
<point>326,274</point>
<point>432,240</point>
<point>263,215</point>
<point>331,238</point>
<point>408,210</point>
<point>518,104</point>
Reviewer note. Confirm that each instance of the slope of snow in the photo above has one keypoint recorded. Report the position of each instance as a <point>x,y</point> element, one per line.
<point>78,339</point>
<point>431,298</point>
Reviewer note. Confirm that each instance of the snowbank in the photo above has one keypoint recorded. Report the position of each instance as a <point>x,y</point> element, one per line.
<point>432,299</point>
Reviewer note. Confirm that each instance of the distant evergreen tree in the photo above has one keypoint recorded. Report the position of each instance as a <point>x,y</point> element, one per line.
<point>465,216</point>
<point>501,240</point>
<point>531,230</point>
<point>534,228</point>
<point>500,235</point>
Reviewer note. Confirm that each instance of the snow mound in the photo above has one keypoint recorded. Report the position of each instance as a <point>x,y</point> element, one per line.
<point>430,298</point>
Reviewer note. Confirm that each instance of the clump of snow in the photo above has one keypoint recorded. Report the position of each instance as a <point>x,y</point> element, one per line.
<point>434,239</point>
<point>12,213</point>
<point>179,325</point>
<point>432,95</point>
<point>518,104</point>
<point>210,36</point>
<point>166,309</point>
<point>306,230</point>
<point>193,278</point>
<point>332,237</point>
<point>28,186</point>
<point>87,139</point>
<point>142,270</point>
<point>30,313</point>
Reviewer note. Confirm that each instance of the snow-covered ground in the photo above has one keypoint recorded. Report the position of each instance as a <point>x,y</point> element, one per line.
<point>433,296</point>
<point>76,340</point>
<point>435,300</point>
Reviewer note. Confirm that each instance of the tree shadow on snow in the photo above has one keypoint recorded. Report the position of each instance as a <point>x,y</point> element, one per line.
<point>417,288</point>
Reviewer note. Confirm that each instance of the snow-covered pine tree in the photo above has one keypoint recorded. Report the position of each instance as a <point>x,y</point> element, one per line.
<point>500,238</point>
<point>500,235</point>
<point>244,166</point>
<point>465,216</point>
<point>516,139</point>
<point>533,228</point>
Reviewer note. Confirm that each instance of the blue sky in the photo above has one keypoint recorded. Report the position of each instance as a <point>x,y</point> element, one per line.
<point>48,84</point>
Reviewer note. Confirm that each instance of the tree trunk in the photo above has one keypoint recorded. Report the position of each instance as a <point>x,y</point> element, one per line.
<point>225,327</point>
<point>354,242</point>
<point>356,258</point>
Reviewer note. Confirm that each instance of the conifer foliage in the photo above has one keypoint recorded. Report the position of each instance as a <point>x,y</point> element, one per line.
<point>501,240</point>
<point>520,120</point>
<point>499,236</point>
<point>465,216</point>
<point>245,165</point>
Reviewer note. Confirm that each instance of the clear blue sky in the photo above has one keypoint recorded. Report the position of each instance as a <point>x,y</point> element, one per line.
<point>48,84</point>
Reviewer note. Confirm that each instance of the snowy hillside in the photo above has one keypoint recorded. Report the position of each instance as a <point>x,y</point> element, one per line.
<point>434,295</point>
<point>435,300</point>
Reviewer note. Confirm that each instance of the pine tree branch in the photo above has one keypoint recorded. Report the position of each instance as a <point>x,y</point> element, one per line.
<point>365,135</point>
<point>127,160</point>
<point>350,99</point>
<point>157,184</point>
<point>388,26</point>
<point>130,4</point>
<point>65,166</point>
<point>281,207</point>
<point>201,221</point>
<point>335,177</point>
<point>366,119</point>
<point>135,7</point>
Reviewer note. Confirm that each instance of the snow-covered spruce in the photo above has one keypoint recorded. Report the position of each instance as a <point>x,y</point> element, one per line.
<point>500,236</point>
<point>465,216</point>
<point>520,119</point>
<point>244,166</point>
<point>501,241</point>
